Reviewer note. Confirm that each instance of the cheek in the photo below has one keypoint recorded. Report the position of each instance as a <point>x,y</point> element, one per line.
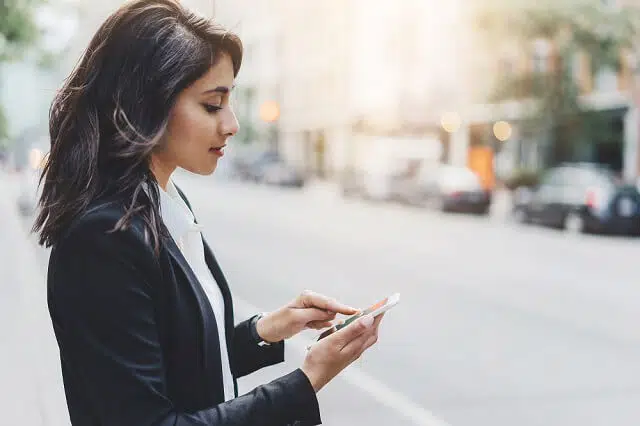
<point>191,128</point>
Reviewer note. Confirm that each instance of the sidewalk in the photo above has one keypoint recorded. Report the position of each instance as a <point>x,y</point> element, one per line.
<point>31,390</point>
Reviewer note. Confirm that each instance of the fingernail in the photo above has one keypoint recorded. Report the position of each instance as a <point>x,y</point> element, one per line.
<point>367,321</point>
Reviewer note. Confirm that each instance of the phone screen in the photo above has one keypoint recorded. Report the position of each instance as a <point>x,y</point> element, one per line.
<point>354,317</point>
<point>375,306</point>
<point>365,312</point>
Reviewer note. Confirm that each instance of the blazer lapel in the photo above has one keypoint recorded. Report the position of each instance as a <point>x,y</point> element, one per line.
<point>201,297</point>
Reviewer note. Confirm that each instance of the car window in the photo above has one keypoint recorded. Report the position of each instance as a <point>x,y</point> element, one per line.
<point>585,178</point>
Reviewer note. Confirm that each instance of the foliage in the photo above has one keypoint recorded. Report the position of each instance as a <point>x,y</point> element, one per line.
<point>18,31</point>
<point>568,28</point>
<point>523,178</point>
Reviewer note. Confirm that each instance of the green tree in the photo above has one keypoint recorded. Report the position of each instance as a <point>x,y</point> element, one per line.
<point>18,31</point>
<point>571,29</point>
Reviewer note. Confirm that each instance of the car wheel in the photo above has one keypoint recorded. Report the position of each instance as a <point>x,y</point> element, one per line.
<point>574,223</point>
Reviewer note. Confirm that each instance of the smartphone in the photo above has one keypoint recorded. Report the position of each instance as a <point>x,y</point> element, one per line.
<point>374,310</point>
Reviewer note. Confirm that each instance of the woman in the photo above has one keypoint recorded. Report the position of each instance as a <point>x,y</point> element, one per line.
<point>141,310</point>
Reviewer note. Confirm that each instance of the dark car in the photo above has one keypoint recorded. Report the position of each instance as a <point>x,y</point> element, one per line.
<point>581,198</point>
<point>454,189</point>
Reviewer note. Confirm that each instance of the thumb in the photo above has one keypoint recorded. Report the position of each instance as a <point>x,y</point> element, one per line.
<point>345,335</point>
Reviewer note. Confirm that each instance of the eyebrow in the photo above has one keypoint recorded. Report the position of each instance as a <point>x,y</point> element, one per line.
<point>219,89</point>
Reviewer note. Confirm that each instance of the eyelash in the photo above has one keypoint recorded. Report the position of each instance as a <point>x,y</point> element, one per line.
<point>211,109</point>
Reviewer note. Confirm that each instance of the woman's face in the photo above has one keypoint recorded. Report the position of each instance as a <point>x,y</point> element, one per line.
<point>200,124</point>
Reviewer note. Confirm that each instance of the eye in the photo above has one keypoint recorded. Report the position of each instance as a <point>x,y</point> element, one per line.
<point>211,109</point>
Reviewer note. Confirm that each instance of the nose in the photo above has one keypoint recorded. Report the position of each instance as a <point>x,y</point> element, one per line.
<point>229,123</point>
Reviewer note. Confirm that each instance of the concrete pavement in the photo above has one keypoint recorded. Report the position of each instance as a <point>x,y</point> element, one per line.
<point>31,390</point>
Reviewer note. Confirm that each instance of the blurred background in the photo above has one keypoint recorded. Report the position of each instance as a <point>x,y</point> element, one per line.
<point>480,157</point>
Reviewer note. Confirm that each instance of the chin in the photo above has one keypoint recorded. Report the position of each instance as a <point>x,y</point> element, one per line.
<point>203,170</point>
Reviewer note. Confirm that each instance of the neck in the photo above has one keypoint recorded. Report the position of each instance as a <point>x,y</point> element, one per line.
<point>161,171</point>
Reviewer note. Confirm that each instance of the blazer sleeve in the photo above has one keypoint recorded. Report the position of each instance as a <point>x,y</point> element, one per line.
<point>248,355</point>
<point>101,302</point>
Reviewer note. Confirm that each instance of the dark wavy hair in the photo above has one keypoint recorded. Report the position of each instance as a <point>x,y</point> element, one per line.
<point>113,109</point>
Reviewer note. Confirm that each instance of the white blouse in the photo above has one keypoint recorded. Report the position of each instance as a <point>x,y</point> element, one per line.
<point>187,235</point>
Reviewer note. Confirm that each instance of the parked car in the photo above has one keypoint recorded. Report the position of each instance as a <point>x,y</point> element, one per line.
<point>281,174</point>
<point>581,197</point>
<point>251,167</point>
<point>397,181</point>
<point>453,189</point>
<point>267,167</point>
<point>404,183</point>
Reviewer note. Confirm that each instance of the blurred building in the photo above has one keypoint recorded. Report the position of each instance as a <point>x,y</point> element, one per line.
<point>91,14</point>
<point>609,91</point>
<point>320,79</point>
<point>28,85</point>
<point>258,95</point>
<point>341,71</point>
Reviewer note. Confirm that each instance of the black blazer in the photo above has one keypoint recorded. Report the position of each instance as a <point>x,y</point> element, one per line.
<point>138,339</point>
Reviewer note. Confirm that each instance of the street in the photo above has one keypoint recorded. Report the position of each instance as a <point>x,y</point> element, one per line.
<point>498,324</point>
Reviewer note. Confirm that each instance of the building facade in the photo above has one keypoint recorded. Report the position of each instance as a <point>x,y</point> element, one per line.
<point>610,92</point>
<point>342,70</point>
<point>339,69</point>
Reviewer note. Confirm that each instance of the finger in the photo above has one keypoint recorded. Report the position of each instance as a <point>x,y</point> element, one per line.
<point>310,299</point>
<point>307,315</point>
<point>376,322</point>
<point>319,325</point>
<point>354,349</point>
<point>351,332</point>
<point>370,341</point>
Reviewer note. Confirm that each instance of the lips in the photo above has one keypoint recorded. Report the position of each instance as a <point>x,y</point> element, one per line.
<point>218,150</point>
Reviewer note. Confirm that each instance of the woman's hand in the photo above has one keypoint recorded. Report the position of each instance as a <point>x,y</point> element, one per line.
<point>309,310</point>
<point>328,357</point>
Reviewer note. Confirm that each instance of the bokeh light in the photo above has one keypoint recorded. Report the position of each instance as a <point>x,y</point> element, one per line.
<point>502,130</point>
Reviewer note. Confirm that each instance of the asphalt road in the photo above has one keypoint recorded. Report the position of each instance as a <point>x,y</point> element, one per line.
<point>499,324</point>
